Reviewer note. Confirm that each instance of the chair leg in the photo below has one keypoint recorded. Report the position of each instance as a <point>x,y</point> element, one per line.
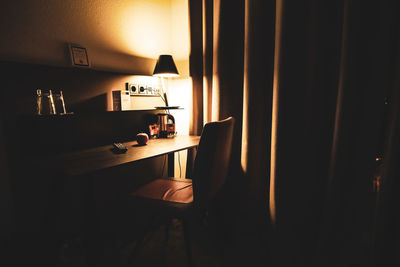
<point>167,225</point>
<point>140,242</point>
<point>188,243</point>
<point>136,250</point>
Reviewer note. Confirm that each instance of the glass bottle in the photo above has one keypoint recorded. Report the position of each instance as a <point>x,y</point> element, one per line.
<point>62,102</point>
<point>39,110</point>
<point>51,103</point>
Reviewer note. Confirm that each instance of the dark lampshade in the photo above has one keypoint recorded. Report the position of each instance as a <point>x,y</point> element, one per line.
<point>165,67</point>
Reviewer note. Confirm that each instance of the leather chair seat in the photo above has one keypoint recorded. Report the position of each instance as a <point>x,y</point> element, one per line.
<point>172,190</point>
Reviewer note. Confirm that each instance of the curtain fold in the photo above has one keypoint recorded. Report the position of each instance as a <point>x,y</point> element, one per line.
<point>307,78</point>
<point>307,83</point>
<point>387,238</point>
<point>257,95</point>
<point>347,231</point>
<point>196,66</point>
<point>218,79</point>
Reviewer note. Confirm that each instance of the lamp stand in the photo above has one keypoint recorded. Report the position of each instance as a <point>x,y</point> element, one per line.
<point>164,93</point>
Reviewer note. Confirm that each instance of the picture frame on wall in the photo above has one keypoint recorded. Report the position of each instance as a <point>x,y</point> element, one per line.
<point>79,56</point>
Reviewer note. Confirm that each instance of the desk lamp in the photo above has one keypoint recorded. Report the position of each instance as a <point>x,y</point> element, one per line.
<point>165,67</point>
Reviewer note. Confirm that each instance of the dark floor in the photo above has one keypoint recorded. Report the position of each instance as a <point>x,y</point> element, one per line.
<point>156,251</point>
<point>247,248</point>
<point>244,244</point>
<point>207,251</point>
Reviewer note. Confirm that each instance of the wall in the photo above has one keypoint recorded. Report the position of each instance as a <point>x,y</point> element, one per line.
<point>180,43</point>
<point>123,38</point>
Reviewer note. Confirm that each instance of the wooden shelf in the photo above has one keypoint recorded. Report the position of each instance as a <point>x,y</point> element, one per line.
<point>168,108</point>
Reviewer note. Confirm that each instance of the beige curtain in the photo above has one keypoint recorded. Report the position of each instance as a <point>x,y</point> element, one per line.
<point>307,83</point>
<point>227,82</point>
<point>226,78</point>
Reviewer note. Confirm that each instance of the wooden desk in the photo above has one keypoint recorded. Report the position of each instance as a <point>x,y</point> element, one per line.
<point>82,165</point>
<point>100,158</point>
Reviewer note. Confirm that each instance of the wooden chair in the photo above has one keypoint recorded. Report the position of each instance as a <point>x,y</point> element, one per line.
<point>187,199</point>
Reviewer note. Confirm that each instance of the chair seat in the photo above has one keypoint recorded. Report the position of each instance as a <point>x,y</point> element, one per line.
<point>178,191</point>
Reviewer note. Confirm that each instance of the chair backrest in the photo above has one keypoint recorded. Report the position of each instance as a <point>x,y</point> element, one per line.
<point>212,161</point>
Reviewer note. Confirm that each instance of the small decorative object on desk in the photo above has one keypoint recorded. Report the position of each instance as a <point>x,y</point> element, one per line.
<point>119,148</point>
<point>166,123</point>
<point>142,138</point>
<point>50,103</point>
<point>154,130</point>
<point>171,130</point>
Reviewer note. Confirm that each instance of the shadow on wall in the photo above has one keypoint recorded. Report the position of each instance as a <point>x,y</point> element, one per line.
<point>101,59</point>
<point>105,59</point>
<point>92,104</point>
<point>114,61</point>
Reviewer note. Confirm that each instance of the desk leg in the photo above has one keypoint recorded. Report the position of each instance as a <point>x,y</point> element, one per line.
<point>191,155</point>
<point>93,241</point>
<point>171,165</point>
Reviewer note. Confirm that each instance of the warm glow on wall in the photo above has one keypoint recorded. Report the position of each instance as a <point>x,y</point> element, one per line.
<point>153,27</point>
<point>180,43</point>
<point>145,80</point>
<point>145,28</point>
<point>120,35</point>
<point>179,94</point>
